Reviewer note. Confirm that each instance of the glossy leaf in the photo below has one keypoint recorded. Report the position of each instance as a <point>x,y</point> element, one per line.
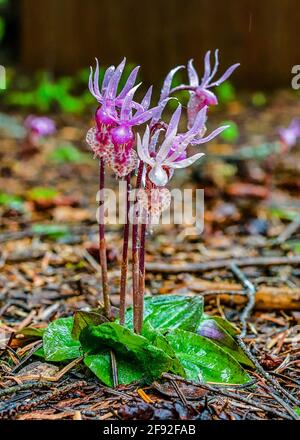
<point>204,361</point>
<point>100,365</point>
<point>83,319</point>
<point>58,343</point>
<point>159,340</point>
<point>135,348</point>
<point>171,311</point>
<point>226,325</point>
<point>212,330</point>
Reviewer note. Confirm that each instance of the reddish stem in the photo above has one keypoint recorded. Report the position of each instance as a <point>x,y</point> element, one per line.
<point>124,267</point>
<point>137,310</point>
<point>102,242</point>
<point>141,290</point>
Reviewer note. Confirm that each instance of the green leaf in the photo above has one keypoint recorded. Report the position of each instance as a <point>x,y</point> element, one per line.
<point>134,348</point>
<point>226,325</point>
<point>58,343</point>
<point>100,365</point>
<point>51,230</point>
<point>231,133</point>
<point>297,410</point>
<point>160,341</point>
<point>209,328</point>
<point>204,361</point>
<point>167,312</point>
<point>259,99</point>
<point>11,200</point>
<point>283,214</point>
<point>32,331</point>
<point>83,319</point>
<point>226,93</point>
<point>66,153</point>
<point>41,193</point>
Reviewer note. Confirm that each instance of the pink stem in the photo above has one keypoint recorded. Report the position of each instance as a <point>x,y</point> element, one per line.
<point>137,311</point>
<point>141,290</point>
<point>102,242</point>
<point>124,267</point>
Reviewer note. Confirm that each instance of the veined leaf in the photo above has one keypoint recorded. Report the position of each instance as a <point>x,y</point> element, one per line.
<point>134,348</point>
<point>226,325</point>
<point>211,329</point>
<point>159,340</point>
<point>204,361</point>
<point>100,365</point>
<point>58,343</point>
<point>83,319</point>
<point>167,312</point>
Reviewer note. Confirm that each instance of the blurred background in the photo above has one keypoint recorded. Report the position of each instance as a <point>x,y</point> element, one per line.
<point>59,39</point>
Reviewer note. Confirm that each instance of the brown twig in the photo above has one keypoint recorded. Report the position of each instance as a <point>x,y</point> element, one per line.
<point>266,375</point>
<point>9,409</point>
<point>222,264</point>
<point>250,291</point>
<point>114,368</point>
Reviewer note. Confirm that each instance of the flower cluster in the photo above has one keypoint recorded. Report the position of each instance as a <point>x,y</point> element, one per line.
<point>162,149</point>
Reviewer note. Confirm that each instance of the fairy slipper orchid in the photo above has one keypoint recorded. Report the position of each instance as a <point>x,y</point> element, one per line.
<point>200,93</point>
<point>171,154</point>
<point>124,158</point>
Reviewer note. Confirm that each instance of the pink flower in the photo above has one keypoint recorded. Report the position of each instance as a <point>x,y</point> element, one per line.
<point>40,126</point>
<point>113,137</point>
<point>200,93</point>
<point>171,154</point>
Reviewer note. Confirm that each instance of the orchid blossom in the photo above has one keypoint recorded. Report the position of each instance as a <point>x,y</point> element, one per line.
<point>113,138</point>
<point>200,95</point>
<point>172,152</point>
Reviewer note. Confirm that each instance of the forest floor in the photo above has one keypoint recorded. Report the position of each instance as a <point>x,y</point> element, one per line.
<point>252,220</point>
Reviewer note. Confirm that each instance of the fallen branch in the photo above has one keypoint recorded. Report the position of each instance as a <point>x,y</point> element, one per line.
<point>266,298</point>
<point>250,291</point>
<point>222,264</point>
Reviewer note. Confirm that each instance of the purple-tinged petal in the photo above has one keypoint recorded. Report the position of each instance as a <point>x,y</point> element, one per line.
<point>142,147</point>
<point>207,69</point>
<point>129,83</point>
<point>147,99</point>
<point>199,122</point>
<point>107,77</point>
<point>143,117</point>
<point>202,140</point>
<point>215,69</point>
<point>192,73</point>
<point>165,148</point>
<point>225,76</point>
<point>91,87</point>
<point>165,91</point>
<point>173,124</point>
<point>112,87</point>
<point>154,139</point>
<point>159,109</point>
<point>96,79</point>
<point>186,162</point>
<point>127,103</point>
